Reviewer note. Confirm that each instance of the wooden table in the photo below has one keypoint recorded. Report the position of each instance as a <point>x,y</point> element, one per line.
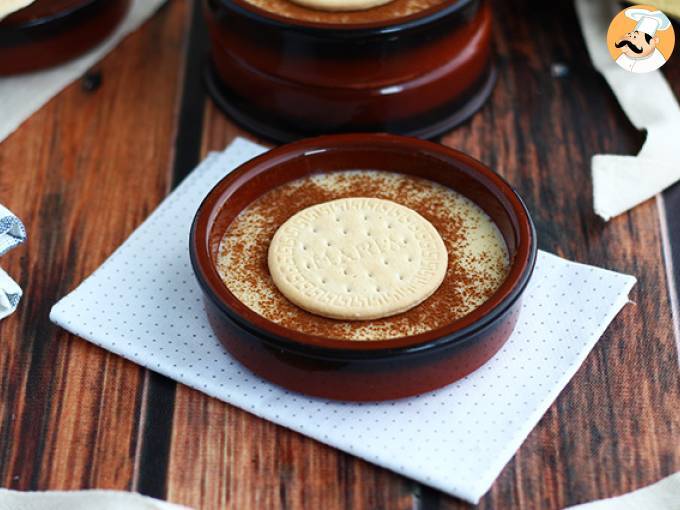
<point>86,169</point>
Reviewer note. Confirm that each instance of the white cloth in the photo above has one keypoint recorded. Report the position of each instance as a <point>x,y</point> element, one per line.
<point>146,305</point>
<point>7,7</point>
<point>622,182</point>
<point>12,233</point>
<point>662,495</point>
<point>641,65</point>
<point>81,500</point>
<point>10,295</point>
<point>22,95</point>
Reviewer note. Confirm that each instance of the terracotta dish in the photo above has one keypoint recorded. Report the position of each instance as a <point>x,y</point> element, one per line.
<point>49,32</point>
<point>285,78</point>
<point>363,370</point>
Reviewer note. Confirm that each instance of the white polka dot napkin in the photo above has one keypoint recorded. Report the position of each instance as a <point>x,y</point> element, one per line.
<point>145,305</point>
<point>12,233</point>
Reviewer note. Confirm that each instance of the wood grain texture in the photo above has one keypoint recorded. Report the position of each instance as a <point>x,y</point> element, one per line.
<point>82,173</point>
<point>670,207</point>
<point>72,415</point>
<point>223,457</point>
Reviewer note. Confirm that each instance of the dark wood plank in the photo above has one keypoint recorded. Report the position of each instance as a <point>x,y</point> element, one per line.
<point>152,454</point>
<point>670,207</point>
<point>223,457</point>
<point>82,173</point>
<point>159,394</point>
<point>189,129</point>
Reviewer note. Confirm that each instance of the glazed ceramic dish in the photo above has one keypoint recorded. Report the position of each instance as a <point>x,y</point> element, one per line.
<point>363,370</point>
<point>285,78</point>
<point>50,32</point>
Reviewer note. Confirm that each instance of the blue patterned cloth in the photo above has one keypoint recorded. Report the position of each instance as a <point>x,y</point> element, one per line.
<point>12,233</point>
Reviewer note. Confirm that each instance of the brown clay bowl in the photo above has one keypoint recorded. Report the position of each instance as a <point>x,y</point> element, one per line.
<point>371,370</point>
<point>285,78</point>
<point>49,32</point>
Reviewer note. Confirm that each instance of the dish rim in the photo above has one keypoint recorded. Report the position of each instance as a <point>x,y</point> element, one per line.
<point>281,337</point>
<point>357,31</point>
<point>52,18</point>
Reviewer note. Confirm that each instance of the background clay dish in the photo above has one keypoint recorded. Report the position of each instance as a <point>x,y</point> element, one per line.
<point>49,32</point>
<point>375,370</point>
<point>285,79</point>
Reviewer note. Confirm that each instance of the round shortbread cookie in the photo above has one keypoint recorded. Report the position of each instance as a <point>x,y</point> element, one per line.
<point>357,258</point>
<point>341,5</point>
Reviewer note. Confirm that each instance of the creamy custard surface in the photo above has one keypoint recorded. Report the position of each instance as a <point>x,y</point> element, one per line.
<point>391,11</point>
<point>478,256</point>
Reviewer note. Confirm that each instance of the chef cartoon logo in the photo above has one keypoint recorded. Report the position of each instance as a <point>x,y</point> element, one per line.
<point>640,39</point>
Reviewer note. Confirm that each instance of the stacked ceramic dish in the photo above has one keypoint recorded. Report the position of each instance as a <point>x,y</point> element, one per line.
<point>46,33</point>
<point>285,70</point>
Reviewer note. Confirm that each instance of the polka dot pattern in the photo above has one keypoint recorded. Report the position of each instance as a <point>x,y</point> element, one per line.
<point>146,306</point>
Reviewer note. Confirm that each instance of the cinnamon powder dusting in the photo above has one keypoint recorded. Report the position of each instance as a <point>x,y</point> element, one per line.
<point>478,257</point>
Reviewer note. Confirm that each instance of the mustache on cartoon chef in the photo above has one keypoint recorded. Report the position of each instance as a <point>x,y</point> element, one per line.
<point>626,42</point>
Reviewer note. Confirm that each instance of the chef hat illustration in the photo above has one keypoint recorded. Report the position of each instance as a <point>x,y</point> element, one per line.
<point>648,22</point>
